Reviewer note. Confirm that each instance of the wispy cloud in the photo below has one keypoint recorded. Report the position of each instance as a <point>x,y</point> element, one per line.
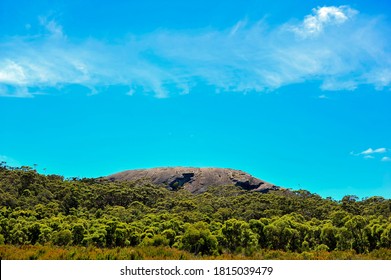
<point>327,46</point>
<point>9,161</point>
<point>323,96</point>
<point>386,159</point>
<point>373,153</point>
<point>53,28</point>
<point>369,157</point>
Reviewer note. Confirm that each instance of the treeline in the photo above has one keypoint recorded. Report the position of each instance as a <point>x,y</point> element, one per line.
<point>38,209</point>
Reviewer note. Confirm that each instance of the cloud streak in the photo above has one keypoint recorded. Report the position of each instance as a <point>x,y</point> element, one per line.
<point>373,153</point>
<point>386,159</point>
<point>335,46</point>
<point>9,161</point>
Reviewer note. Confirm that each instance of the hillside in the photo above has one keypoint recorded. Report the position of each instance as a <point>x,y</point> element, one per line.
<point>195,180</point>
<point>222,221</point>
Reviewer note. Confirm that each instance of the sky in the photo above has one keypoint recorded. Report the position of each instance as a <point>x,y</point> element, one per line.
<point>294,93</point>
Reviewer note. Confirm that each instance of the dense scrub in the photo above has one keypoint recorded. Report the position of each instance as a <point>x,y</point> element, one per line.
<point>226,221</point>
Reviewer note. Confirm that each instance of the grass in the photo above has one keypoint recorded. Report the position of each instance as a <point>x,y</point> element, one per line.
<point>50,252</point>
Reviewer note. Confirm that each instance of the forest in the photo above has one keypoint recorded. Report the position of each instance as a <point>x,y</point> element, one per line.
<point>52,217</point>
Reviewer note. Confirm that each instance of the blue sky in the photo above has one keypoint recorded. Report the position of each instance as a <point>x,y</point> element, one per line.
<point>297,94</point>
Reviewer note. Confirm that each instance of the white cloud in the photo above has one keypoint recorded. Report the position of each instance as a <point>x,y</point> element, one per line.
<point>243,58</point>
<point>323,16</point>
<point>386,159</point>
<point>11,72</point>
<point>373,154</point>
<point>372,151</point>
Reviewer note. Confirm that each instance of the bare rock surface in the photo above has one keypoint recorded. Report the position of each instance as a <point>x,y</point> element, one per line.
<point>195,180</point>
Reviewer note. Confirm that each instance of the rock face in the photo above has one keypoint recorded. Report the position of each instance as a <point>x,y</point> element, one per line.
<point>195,180</point>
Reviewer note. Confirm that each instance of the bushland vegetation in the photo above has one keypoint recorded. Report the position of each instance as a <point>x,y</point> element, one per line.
<point>52,217</point>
